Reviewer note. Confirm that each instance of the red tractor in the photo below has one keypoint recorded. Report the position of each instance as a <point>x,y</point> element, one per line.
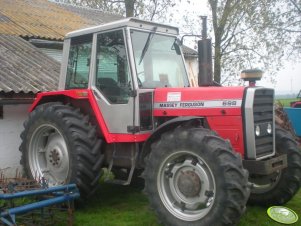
<point>125,103</point>
<point>297,104</point>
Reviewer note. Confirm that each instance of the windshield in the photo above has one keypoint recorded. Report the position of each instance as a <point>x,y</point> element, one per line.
<point>158,63</point>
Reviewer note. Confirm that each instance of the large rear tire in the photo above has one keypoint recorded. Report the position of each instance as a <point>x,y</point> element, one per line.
<point>193,177</point>
<point>59,144</point>
<point>280,187</point>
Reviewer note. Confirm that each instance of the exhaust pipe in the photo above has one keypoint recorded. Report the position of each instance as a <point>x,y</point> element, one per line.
<point>205,57</point>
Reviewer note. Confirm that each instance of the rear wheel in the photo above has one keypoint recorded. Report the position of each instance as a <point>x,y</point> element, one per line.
<point>193,177</point>
<point>281,186</point>
<point>60,144</point>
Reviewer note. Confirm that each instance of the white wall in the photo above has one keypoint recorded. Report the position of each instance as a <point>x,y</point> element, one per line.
<point>11,127</point>
<point>193,70</point>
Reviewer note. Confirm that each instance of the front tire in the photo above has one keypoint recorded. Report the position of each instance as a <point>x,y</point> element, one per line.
<point>193,177</point>
<point>59,144</point>
<point>280,187</point>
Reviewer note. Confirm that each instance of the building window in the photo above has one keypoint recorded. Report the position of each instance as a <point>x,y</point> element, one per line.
<point>1,111</point>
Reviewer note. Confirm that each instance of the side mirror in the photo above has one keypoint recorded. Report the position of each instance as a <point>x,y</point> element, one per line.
<point>176,46</point>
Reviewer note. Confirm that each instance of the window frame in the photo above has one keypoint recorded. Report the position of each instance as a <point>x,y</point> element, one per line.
<point>1,111</point>
<point>133,60</point>
<point>93,66</point>
<point>67,85</point>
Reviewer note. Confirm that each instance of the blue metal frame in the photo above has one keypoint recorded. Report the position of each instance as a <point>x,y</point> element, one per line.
<point>61,194</point>
<point>294,115</point>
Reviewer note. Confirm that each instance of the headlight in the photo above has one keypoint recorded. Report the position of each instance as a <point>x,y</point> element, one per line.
<point>257,130</point>
<point>269,128</point>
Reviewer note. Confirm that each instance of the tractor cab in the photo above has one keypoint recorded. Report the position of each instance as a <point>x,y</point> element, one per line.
<point>121,61</point>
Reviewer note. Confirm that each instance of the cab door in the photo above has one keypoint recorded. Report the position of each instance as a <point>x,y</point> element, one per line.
<point>113,82</point>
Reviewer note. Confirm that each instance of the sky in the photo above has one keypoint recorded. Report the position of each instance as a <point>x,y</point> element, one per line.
<point>288,79</point>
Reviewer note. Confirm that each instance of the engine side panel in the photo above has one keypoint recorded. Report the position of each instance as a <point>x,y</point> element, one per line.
<point>205,101</point>
<point>231,128</point>
<point>221,106</point>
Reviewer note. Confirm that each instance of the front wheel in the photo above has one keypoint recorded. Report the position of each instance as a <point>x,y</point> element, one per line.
<point>60,145</point>
<point>279,187</point>
<point>193,177</point>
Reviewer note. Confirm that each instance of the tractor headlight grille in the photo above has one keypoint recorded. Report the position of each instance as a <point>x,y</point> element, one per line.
<point>259,123</point>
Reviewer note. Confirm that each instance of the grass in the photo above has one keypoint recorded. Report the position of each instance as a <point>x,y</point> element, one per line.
<point>286,102</point>
<point>256,215</point>
<point>116,205</point>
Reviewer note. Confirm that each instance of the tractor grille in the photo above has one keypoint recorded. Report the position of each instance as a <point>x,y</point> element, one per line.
<point>263,113</point>
<point>259,124</point>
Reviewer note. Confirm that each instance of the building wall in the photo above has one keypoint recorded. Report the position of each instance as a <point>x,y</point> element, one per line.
<point>193,70</point>
<point>11,126</point>
<point>56,54</point>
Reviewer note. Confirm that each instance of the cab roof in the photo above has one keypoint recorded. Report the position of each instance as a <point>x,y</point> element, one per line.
<point>128,22</point>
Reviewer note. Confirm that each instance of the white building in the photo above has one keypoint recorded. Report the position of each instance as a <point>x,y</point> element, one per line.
<point>24,71</point>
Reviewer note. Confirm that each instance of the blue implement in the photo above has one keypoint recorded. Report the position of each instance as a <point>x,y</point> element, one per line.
<point>294,115</point>
<point>57,195</point>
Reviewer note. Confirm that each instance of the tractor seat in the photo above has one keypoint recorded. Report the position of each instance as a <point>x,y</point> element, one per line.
<point>109,88</point>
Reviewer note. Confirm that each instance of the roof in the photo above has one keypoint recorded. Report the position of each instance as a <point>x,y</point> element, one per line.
<point>189,51</point>
<point>24,68</point>
<point>47,20</point>
<point>128,22</point>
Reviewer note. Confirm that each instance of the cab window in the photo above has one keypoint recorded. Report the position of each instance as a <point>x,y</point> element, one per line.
<point>79,62</point>
<point>112,72</point>
<point>158,60</point>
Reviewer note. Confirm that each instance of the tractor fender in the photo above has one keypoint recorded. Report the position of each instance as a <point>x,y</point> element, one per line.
<point>169,125</point>
<point>84,99</point>
<point>54,96</point>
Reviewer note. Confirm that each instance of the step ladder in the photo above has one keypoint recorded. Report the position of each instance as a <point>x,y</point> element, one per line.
<point>132,158</point>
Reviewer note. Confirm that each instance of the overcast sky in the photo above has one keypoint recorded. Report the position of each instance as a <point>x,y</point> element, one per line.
<point>288,80</point>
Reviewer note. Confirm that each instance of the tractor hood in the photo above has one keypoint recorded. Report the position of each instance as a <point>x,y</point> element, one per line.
<point>200,101</point>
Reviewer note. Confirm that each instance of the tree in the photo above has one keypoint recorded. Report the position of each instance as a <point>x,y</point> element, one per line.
<point>247,33</point>
<point>250,34</point>
<point>145,9</point>
<point>287,20</point>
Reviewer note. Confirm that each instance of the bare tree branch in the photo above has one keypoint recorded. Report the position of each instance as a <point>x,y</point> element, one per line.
<point>296,6</point>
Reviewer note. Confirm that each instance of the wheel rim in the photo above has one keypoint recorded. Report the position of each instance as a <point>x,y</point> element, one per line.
<point>265,184</point>
<point>186,186</point>
<point>48,155</point>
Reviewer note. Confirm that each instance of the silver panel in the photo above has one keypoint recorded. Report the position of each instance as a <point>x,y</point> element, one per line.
<point>249,126</point>
<point>92,72</point>
<point>249,119</point>
<point>64,64</point>
<point>116,116</point>
<point>131,58</point>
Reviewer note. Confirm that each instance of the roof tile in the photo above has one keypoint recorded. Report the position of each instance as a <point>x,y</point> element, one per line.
<point>24,68</point>
<point>45,19</point>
